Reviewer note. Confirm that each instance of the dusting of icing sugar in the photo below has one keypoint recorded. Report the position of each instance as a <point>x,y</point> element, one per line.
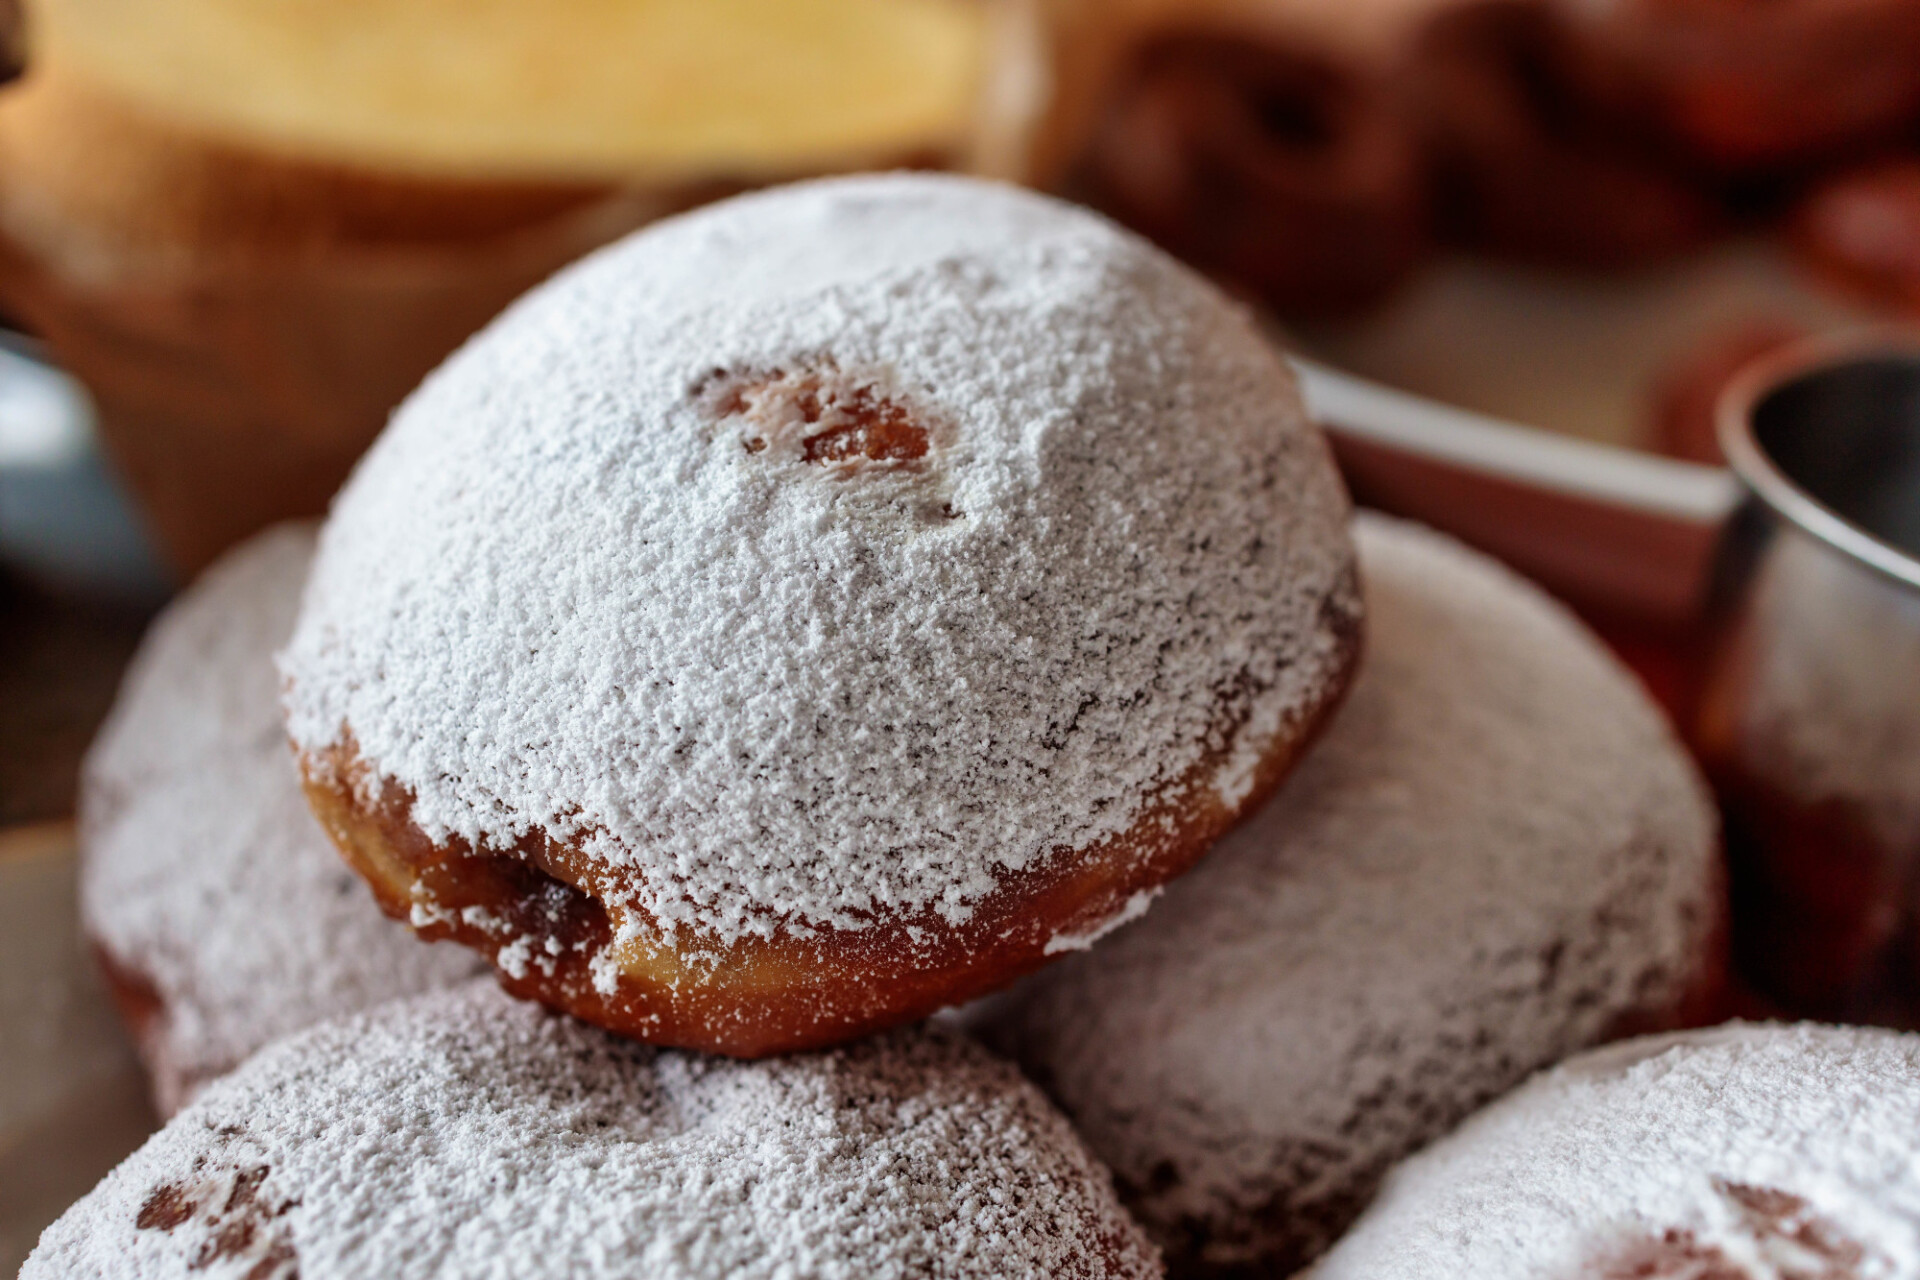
<point>603,967</point>
<point>1135,906</point>
<point>514,958</point>
<point>1743,1153</point>
<point>203,874</point>
<point>1496,852</point>
<point>468,1134</point>
<point>827,554</point>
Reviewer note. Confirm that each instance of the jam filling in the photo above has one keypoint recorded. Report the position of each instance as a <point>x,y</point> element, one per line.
<point>1796,1242</point>
<point>824,416</point>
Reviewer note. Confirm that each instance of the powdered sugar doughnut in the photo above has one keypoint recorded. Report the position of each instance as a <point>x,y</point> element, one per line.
<point>822,608</point>
<point>1498,855</point>
<point>1739,1153</point>
<point>466,1134</point>
<point>224,917</point>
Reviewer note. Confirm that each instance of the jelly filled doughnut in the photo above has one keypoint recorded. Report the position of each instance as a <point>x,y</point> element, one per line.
<point>1498,855</point>
<point>222,915</point>
<point>822,608</point>
<point>1737,1153</point>
<point>462,1133</point>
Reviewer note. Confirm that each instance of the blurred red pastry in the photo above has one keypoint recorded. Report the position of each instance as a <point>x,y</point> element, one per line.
<point>1861,231</point>
<point>1282,168</point>
<point>1268,141</point>
<point>1743,86</point>
<point>1522,169</point>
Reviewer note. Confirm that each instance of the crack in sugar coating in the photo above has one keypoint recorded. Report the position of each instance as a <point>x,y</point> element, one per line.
<point>562,599</point>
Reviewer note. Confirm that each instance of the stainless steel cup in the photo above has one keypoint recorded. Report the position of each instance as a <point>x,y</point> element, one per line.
<point>1810,721</point>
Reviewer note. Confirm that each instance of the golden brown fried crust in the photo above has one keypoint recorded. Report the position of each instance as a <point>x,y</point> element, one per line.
<point>787,992</point>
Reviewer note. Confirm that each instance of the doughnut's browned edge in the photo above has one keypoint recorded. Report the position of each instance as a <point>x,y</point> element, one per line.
<point>135,998</point>
<point>785,993</point>
<point>143,1011</point>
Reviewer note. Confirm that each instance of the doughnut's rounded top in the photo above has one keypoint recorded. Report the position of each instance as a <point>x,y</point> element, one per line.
<point>1497,855</point>
<point>225,914</point>
<point>465,1134</point>
<point>826,554</point>
<point>1745,1152</point>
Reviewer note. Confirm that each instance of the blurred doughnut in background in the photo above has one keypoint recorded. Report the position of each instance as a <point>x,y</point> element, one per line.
<point>1521,170</point>
<point>1265,140</point>
<point>1313,154</point>
<point>1743,87</point>
<point>1285,168</point>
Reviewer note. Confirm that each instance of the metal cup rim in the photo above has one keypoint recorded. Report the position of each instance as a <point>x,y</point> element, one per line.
<point>1765,482</point>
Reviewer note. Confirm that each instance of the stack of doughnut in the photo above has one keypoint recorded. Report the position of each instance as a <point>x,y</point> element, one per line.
<point>842,603</point>
<point>820,611</point>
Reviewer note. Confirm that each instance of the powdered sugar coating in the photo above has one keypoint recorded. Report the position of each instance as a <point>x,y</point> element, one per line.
<point>465,1134</point>
<point>203,874</point>
<point>1741,1153</point>
<point>1497,853</point>
<point>574,589</point>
